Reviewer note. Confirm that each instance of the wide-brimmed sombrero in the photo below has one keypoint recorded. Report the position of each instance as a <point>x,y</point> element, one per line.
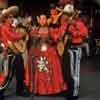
<point>68,8</point>
<point>13,10</point>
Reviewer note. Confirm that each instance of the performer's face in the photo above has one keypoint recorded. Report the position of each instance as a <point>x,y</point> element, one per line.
<point>29,19</point>
<point>53,12</point>
<point>43,20</point>
<point>10,19</point>
<point>64,18</point>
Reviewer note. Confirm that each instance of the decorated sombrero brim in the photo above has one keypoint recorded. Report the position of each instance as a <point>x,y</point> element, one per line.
<point>9,11</point>
<point>68,8</point>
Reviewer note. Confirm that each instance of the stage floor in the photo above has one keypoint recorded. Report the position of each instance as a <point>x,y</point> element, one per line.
<point>89,80</point>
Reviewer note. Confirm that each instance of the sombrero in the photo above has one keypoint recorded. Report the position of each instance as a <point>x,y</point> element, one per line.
<point>9,11</point>
<point>68,8</point>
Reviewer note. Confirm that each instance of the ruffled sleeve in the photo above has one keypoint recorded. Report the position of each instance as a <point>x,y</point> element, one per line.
<point>9,35</point>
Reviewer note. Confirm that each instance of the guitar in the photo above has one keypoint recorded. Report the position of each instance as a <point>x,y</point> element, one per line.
<point>60,48</point>
<point>61,45</point>
<point>20,45</point>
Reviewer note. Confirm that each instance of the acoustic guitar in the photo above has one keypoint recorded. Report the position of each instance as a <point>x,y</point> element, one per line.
<point>21,45</point>
<point>61,45</point>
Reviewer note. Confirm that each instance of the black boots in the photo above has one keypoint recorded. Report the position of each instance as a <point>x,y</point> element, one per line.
<point>23,92</point>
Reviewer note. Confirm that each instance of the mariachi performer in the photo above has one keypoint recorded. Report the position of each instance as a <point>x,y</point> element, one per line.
<point>9,37</point>
<point>53,22</point>
<point>43,71</point>
<point>54,15</point>
<point>73,30</point>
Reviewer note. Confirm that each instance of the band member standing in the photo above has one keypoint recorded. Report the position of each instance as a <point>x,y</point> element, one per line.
<point>9,36</point>
<point>54,15</point>
<point>74,32</point>
<point>47,78</point>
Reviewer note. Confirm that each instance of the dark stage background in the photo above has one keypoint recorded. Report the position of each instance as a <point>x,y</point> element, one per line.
<point>32,7</point>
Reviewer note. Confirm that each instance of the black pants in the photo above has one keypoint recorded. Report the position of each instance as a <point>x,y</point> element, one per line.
<point>17,64</point>
<point>67,73</point>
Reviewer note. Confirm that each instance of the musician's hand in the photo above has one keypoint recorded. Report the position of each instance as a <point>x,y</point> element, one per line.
<point>49,21</point>
<point>2,45</point>
<point>9,42</point>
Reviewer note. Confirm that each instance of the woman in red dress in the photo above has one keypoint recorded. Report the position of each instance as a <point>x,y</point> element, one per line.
<point>43,70</point>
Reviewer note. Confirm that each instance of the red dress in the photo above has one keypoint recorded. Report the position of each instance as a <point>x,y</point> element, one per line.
<point>47,78</point>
